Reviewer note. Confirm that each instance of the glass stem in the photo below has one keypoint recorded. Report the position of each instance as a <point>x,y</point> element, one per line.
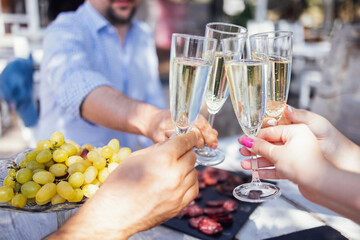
<point>211,119</point>
<point>211,122</point>
<point>255,169</point>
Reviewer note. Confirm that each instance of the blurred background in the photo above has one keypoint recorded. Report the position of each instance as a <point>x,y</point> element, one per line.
<point>326,51</point>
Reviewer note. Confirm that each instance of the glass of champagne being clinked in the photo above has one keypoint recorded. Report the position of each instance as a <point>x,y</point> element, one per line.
<point>217,90</point>
<point>278,81</point>
<point>191,60</point>
<point>246,75</point>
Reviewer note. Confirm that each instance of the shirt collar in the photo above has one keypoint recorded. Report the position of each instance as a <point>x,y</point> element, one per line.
<point>96,21</point>
<point>94,18</point>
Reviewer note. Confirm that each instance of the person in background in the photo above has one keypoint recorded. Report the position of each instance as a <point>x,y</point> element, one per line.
<point>137,195</point>
<point>99,79</point>
<point>306,149</point>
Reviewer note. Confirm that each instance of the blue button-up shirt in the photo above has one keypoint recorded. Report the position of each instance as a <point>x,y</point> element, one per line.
<point>82,51</point>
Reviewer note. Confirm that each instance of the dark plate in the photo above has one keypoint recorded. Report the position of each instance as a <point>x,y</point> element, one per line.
<point>210,193</point>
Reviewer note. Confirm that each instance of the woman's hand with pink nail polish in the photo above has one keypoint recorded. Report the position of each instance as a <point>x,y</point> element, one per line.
<point>291,149</point>
<point>334,145</point>
<point>296,154</point>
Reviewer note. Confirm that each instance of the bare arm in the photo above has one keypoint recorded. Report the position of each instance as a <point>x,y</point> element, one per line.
<point>108,107</point>
<point>337,192</point>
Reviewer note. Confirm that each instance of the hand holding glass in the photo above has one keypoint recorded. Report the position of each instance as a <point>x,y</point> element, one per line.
<point>191,61</point>
<point>246,77</point>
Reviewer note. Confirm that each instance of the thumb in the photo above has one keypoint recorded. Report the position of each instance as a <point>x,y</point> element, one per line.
<point>296,116</point>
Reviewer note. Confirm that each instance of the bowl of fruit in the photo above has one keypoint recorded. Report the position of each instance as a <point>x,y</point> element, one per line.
<point>57,175</point>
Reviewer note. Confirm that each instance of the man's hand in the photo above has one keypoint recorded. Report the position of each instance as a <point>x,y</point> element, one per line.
<point>149,187</point>
<point>161,128</point>
<point>131,116</point>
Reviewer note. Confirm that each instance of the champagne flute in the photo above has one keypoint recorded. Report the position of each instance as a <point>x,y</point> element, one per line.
<point>191,60</point>
<point>277,83</point>
<point>246,76</point>
<point>217,90</point>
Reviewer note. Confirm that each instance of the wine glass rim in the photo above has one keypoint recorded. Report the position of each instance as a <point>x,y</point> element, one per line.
<point>233,38</point>
<point>281,34</point>
<point>194,37</point>
<point>209,25</point>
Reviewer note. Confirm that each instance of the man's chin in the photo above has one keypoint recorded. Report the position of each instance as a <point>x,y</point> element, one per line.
<point>123,17</point>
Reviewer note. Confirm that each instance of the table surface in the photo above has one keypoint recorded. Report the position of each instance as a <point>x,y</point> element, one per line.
<point>289,213</point>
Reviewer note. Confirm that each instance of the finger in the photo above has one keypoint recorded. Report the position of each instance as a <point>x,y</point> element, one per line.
<point>262,147</point>
<point>200,143</point>
<point>181,144</point>
<point>144,151</point>
<point>189,180</point>
<point>187,162</point>
<point>299,115</point>
<point>262,163</point>
<point>190,194</point>
<point>245,152</point>
<point>269,174</point>
<point>209,134</point>
<point>169,133</point>
<point>192,190</point>
<point>273,134</point>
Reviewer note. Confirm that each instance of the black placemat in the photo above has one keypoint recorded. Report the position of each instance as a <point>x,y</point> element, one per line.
<point>210,193</point>
<point>318,233</point>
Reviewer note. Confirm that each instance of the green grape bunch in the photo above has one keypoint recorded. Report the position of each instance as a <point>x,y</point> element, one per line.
<point>59,170</point>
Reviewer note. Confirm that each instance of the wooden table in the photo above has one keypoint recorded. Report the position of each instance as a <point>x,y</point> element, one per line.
<point>289,213</point>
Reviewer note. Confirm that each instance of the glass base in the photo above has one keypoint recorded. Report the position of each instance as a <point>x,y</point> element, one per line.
<point>256,192</point>
<point>209,157</point>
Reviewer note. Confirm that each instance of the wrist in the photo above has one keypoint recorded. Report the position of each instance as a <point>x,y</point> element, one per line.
<point>148,115</point>
<point>91,222</point>
<point>320,182</point>
<point>346,153</point>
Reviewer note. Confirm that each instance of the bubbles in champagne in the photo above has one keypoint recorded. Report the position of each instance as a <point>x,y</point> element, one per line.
<point>188,78</point>
<point>277,85</point>
<point>247,93</point>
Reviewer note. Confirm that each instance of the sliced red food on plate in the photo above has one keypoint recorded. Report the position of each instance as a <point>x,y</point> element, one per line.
<point>210,226</point>
<point>195,221</point>
<point>194,211</point>
<point>215,212</point>
<point>214,203</point>
<point>230,205</point>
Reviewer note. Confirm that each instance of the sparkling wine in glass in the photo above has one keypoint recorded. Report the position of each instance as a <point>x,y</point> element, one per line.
<point>278,81</point>
<point>191,61</point>
<point>246,77</point>
<point>217,90</point>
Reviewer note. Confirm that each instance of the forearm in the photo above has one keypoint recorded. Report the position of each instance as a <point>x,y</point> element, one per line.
<point>92,221</point>
<point>340,193</point>
<point>108,107</point>
<point>345,154</point>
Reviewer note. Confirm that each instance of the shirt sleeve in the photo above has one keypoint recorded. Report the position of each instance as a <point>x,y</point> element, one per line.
<point>66,69</point>
<point>155,95</point>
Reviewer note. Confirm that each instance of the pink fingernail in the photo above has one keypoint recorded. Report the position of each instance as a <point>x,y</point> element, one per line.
<point>247,142</point>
